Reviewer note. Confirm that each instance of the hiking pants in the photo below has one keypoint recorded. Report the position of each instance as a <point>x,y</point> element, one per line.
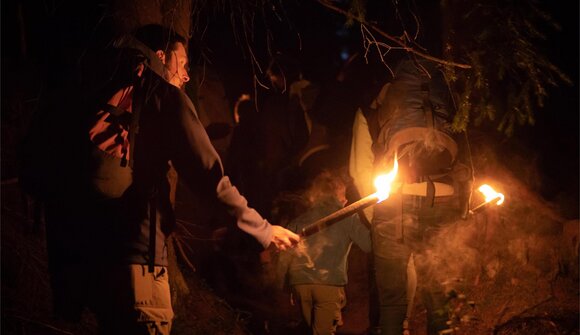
<point>128,299</point>
<point>401,228</point>
<point>321,306</point>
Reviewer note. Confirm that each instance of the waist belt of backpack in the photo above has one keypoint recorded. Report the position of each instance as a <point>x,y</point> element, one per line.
<point>426,188</point>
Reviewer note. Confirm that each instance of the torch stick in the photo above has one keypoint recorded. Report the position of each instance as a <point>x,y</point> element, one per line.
<point>339,215</point>
<point>373,199</point>
<point>490,196</point>
<point>482,206</point>
<point>383,184</point>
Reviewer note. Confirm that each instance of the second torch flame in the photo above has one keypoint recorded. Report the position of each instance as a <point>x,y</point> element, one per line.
<point>384,183</point>
<point>490,194</point>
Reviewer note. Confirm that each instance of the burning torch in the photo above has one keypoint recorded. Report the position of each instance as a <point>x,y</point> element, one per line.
<point>490,196</point>
<point>383,184</point>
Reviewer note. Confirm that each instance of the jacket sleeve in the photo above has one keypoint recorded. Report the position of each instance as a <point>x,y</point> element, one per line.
<point>199,165</point>
<point>248,219</point>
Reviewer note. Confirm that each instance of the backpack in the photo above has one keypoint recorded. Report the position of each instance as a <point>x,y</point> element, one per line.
<point>112,133</point>
<point>80,150</point>
<point>414,121</point>
<point>113,127</point>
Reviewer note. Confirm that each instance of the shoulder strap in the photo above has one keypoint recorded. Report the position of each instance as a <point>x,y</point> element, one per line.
<point>427,107</point>
<point>136,116</point>
<point>372,116</point>
<point>152,61</point>
<point>142,89</point>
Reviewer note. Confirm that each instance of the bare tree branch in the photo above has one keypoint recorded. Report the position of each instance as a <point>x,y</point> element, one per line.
<point>398,41</point>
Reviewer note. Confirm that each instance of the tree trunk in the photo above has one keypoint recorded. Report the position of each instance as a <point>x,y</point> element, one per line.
<point>130,14</point>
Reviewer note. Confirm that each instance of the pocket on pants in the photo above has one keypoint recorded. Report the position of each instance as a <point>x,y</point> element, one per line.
<point>152,294</point>
<point>141,284</point>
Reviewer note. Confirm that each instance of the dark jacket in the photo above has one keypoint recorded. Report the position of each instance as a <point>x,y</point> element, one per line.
<point>169,130</point>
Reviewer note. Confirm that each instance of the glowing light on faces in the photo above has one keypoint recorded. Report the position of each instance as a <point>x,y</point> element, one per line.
<point>177,66</point>
<point>490,194</point>
<point>384,182</point>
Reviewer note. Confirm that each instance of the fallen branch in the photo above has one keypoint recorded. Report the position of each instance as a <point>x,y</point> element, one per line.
<point>525,310</point>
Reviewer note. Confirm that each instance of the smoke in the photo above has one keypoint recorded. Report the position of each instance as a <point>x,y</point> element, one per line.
<point>451,256</point>
<point>308,252</point>
<point>505,258</point>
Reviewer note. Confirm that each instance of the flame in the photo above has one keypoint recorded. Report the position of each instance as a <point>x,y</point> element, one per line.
<point>490,194</point>
<point>384,182</point>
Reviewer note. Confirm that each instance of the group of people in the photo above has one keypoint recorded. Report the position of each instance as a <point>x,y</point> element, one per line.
<point>306,144</point>
<point>434,188</point>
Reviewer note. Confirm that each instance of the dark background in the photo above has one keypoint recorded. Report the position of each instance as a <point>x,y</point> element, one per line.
<point>45,42</point>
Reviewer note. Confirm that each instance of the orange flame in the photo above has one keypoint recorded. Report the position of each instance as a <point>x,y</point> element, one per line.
<point>490,194</point>
<point>384,182</point>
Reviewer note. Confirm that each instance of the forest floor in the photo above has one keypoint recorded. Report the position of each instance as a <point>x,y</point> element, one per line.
<point>226,298</point>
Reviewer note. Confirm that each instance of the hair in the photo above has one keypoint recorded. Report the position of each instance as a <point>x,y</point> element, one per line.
<point>285,66</point>
<point>246,110</point>
<point>158,37</point>
<point>327,185</point>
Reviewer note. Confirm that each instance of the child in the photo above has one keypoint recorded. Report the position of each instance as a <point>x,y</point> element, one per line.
<point>317,268</point>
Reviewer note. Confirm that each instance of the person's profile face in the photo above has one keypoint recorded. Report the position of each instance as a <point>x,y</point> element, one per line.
<point>176,66</point>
